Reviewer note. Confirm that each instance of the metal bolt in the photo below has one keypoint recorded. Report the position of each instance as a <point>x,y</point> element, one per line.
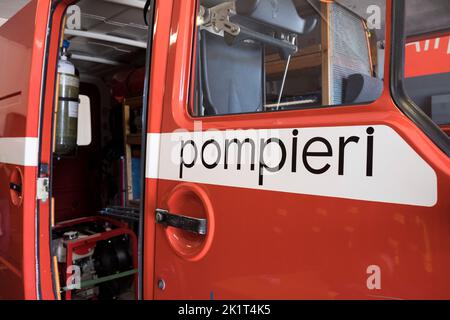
<point>159,217</point>
<point>161,284</point>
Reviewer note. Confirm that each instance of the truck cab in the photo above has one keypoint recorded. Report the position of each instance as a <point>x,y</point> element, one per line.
<point>225,149</point>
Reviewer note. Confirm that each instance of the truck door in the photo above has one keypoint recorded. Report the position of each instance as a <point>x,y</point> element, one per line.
<point>22,45</point>
<point>282,168</point>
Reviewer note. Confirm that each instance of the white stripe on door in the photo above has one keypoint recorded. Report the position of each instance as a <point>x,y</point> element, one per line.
<point>385,170</point>
<point>19,151</point>
<point>152,161</point>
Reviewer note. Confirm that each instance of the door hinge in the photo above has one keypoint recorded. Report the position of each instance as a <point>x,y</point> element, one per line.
<point>42,189</point>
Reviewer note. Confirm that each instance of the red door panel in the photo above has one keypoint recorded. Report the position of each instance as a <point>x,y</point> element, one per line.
<point>22,44</point>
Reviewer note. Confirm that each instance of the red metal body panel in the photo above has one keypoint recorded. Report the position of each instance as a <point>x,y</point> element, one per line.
<point>22,44</point>
<point>288,246</point>
<point>428,56</point>
<point>161,45</point>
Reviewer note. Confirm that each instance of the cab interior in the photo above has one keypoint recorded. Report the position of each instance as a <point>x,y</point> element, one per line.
<point>334,58</point>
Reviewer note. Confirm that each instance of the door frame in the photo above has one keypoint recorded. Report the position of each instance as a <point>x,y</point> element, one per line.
<point>397,75</point>
<point>45,268</point>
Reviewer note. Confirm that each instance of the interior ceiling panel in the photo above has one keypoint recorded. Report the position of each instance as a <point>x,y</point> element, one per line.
<point>131,32</point>
<point>100,48</point>
<point>121,19</point>
<point>130,16</point>
<point>106,18</point>
<point>100,8</point>
<point>89,22</point>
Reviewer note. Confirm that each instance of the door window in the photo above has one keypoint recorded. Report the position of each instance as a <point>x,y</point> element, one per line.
<point>427,62</point>
<point>261,56</point>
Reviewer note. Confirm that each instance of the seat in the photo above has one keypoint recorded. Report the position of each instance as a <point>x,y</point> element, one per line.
<point>360,88</point>
<point>231,76</point>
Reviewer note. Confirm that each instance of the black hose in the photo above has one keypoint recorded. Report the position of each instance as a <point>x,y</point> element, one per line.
<point>146,7</point>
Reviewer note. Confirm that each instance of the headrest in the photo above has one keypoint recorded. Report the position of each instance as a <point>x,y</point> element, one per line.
<point>362,88</point>
<point>276,14</point>
<point>232,77</point>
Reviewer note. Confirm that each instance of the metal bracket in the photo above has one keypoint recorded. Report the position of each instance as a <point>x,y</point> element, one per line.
<point>218,18</point>
<point>190,224</point>
<point>42,189</point>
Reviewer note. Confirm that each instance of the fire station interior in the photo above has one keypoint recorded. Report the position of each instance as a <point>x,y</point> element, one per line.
<point>97,160</point>
<point>96,169</point>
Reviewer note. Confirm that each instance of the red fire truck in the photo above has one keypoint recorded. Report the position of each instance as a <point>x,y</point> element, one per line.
<point>225,149</point>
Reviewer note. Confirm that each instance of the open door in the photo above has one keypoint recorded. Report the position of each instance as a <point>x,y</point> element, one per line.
<point>90,219</point>
<point>22,46</point>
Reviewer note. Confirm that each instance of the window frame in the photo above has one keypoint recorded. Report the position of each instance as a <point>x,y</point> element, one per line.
<point>397,81</point>
<point>191,107</point>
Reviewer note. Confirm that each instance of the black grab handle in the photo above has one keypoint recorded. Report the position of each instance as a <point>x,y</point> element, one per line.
<point>190,224</point>
<point>15,187</point>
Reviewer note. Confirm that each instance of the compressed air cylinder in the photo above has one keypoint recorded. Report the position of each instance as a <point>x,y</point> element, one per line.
<point>68,102</point>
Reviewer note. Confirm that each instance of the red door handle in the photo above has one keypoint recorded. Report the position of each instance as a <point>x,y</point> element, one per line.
<point>189,235</point>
